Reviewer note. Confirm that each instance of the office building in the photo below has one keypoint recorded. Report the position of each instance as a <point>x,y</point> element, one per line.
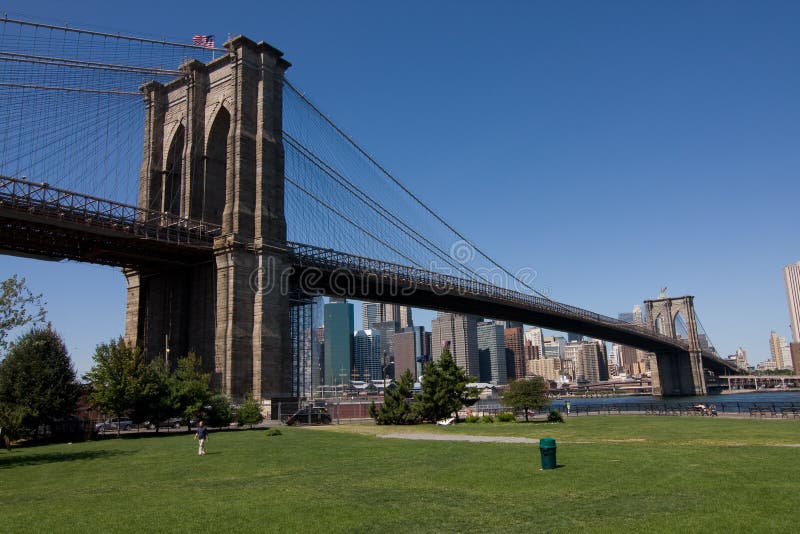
<point>514,340</point>
<point>547,368</point>
<point>460,333</point>
<point>554,346</point>
<point>411,350</point>
<point>585,358</point>
<point>386,330</point>
<point>491,354</point>
<point>791,277</point>
<point>509,324</point>
<point>531,351</point>
<point>367,362</point>
<point>338,342</point>
<point>779,350</point>
<point>574,337</point>
<point>381,312</point>
<point>534,343</point>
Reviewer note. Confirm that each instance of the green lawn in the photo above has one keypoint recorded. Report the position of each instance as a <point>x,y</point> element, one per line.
<point>619,473</point>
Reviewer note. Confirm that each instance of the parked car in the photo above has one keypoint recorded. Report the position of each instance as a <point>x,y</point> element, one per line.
<point>122,423</point>
<point>310,415</point>
<point>172,422</point>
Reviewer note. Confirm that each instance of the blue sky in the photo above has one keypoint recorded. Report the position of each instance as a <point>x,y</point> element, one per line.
<point>615,147</point>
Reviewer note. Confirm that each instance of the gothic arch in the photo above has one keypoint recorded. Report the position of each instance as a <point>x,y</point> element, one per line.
<point>679,325</point>
<point>173,171</point>
<point>660,325</point>
<point>208,198</point>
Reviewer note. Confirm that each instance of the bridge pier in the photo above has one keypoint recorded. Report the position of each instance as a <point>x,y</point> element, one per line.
<point>214,153</point>
<point>676,373</point>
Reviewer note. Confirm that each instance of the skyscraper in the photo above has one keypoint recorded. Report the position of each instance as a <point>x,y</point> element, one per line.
<point>371,313</point>
<point>776,349</point>
<point>399,314</point>
<point>338,342</point>
<point>585,356</point>
<point>411,350</point>
<point>491,354</point>
<point>387,330</point>
<point>514,339</point>
<point>460,331</point>
<point>534,336</point>
<point>791,275</point>
<point>379,312</point>
<point>367,355</point>
<point>554,346</point>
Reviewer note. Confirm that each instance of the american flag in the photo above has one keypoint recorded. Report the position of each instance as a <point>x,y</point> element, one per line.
<point>206,41</point>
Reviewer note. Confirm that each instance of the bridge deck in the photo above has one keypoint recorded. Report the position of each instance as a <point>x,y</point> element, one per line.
<point>41,221</point>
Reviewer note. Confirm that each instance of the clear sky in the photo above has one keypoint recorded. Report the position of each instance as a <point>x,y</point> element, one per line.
<point>615,147</point>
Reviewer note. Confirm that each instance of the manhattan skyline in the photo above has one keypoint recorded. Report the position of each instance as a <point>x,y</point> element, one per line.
<point>614,149</point>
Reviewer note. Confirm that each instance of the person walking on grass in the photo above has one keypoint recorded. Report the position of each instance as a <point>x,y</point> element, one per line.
<point>201,436</point>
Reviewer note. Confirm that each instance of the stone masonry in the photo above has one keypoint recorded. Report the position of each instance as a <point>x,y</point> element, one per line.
<point>213,152</point>
<point>680,372</point>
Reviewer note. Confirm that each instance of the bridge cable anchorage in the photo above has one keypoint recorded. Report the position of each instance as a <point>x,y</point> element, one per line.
<point>378,208</point>
<point>391,177</point>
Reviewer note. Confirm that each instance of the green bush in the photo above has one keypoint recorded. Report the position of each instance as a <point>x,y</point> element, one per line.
<point>555,417</point>
<point>472,419</point>
<point>274,432</point>
<point>506,417</point>
<point>487,419</point>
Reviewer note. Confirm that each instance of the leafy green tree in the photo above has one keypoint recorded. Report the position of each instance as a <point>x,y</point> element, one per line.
<point>18,307</point>
<point>526,394</point>
<point>250,412</point>
<point>12,422</point>
<point>396,408</point>
<point>151,395</point>
<point>37,380</point>
<point>444,389</point>
<point>219,412</point>
<point>190,386</point>
<point>115,377</point>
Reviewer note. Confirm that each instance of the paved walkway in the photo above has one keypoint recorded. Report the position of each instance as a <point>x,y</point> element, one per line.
<point>458,437</point>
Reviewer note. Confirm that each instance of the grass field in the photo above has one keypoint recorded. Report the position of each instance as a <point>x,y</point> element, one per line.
<point>619,473</point>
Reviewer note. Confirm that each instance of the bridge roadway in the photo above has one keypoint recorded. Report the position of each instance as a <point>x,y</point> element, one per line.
<point>40,221</point>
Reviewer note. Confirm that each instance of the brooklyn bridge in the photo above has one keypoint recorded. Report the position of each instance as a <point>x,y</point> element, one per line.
<point>248,202</point>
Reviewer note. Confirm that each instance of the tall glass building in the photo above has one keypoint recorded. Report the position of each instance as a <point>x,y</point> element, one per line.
<point>339,326</point>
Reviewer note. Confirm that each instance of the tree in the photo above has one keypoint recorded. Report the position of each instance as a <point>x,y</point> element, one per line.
<point>250,412</point>
<point>151,395</point>
<point>114,377</point>
<point>190,386</point>
<point>396,408</point>
<point>525,394</point>
<point>444,389</point>
<point>12,422</point>
<point>18,307</point>
<point>37,380</point>
<point>220,412</point>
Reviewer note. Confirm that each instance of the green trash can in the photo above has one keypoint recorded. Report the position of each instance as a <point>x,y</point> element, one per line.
<point>547,449</point>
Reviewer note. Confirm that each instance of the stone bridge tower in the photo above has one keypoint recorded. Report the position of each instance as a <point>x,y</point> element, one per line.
<point>213,152</point>
<point>680,372</point>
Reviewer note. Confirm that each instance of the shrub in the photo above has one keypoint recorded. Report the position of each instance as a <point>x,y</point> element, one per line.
<point>472,419</point>
<point>487,419</point>
<point>274,432</point>
<point>555,417</point>
<point>506,417</point>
